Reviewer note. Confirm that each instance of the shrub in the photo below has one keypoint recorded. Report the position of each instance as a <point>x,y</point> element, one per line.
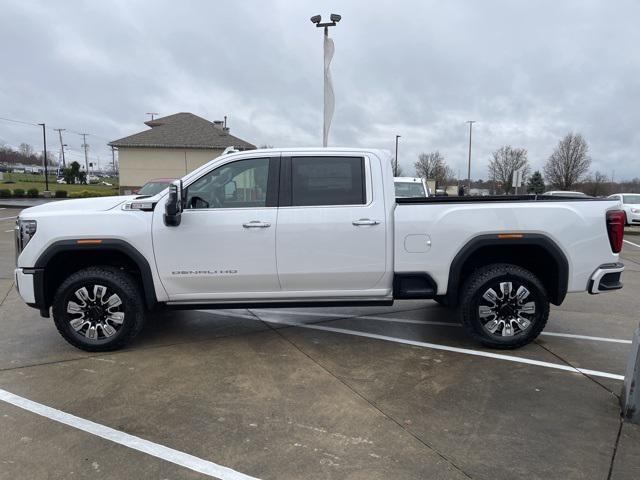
<point>84,194</point>
<point>32,193</point>
<point>18,192</point>
<point>5,193</point>
<point>61,194</point>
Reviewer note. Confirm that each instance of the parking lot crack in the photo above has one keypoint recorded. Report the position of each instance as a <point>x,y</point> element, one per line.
<point>578,370</point>
<point>615,450</point>
<point>6,294</point>
<point>365,399</point>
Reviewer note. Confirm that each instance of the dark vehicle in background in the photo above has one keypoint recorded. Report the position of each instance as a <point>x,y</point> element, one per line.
<point>153,187</point>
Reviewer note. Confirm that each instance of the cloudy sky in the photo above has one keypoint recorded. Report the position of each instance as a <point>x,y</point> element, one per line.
<point>527,71</point>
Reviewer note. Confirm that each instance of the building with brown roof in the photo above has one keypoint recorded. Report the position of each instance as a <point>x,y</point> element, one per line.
<point>173,146</point>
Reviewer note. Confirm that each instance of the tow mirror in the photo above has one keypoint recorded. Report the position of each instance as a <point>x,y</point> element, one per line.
<point>173,207</point>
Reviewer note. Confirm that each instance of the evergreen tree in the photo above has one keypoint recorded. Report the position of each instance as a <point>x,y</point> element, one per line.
<point>536,183</point>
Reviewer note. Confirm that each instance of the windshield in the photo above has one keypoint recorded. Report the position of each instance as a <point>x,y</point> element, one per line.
<point>152,188</point>
<point>410,189</point>
<point>635,199</point>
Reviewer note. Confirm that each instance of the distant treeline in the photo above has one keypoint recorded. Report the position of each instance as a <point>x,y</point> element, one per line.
<point>24,155</point>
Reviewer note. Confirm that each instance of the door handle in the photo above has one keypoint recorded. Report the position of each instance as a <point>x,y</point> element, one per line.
<point>256,224</point>
<point>365,221</point>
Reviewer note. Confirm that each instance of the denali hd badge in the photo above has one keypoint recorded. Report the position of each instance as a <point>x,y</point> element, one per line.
<point>204,272</point>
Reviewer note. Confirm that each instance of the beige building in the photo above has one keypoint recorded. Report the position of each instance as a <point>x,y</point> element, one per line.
<point>173,146</point>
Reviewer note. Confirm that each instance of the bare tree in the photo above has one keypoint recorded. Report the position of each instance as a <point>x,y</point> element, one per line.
<point>432,166</point>
<point>569,162</point>
<point>504,162</point>
<point>25,150</point>
<point>596,185</point>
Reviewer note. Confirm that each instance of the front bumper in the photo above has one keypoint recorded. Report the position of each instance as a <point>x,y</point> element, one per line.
<point>633,218</point>
<point>30,286</point>
<point>606,278</point>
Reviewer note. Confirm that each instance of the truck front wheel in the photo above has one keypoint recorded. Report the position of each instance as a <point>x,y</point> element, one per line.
<point>98,309</point>
<point>504,306</point>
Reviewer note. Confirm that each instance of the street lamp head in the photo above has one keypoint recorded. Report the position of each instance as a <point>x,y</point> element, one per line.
<point>335,17</point>
<point>316,19</point>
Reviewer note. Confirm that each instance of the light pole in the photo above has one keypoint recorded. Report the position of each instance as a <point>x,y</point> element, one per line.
<point>329,99</point>
<point>395,173</point>
<point>470,122</point>
<point>46,171</point>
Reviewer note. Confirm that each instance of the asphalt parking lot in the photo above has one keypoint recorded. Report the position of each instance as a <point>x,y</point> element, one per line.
<point>358,393</point>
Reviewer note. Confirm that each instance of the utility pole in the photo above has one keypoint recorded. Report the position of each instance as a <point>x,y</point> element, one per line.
<point>113,158</point>
<point>60,130</point>
<point>470,122</point>
<point>152,114</point>
<point>85,146</point>
<point>395,173</point>
<point>46,171</point>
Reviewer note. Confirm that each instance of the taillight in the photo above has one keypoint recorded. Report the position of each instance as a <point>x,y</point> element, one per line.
<point>615,229</point>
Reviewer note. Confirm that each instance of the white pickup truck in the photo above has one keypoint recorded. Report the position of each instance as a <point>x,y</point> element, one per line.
<point>310,227</point>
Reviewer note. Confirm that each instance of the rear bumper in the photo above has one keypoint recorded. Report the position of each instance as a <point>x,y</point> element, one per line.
<point>606,278</point>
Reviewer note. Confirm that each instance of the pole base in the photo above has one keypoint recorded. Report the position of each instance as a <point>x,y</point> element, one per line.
<point>630,398</point>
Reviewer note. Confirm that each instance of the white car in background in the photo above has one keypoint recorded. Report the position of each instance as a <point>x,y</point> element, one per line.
<point>565,193</point>
<point>410,187</point>
<point>631,206</point>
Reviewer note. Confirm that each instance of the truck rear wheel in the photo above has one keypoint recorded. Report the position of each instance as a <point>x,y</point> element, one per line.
<point>98,309</point>
<point>504,306</point>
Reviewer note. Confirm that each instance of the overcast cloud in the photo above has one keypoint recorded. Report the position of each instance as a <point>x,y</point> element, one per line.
<point>527,72</point>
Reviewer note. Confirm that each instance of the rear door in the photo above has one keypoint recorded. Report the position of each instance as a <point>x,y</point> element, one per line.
<point>331,233</point>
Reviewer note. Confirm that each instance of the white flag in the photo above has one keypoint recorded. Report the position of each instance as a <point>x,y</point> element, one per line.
<point>329,99</point>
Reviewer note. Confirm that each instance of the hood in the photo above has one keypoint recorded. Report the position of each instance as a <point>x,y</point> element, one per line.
<point>96,204</point>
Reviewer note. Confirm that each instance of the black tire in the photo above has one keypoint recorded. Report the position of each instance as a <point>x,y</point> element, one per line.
<point>114,322</point>
<point>507,322</point>
<point>626,220</point>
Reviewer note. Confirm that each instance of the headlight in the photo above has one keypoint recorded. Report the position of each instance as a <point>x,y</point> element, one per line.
<point>24,232</point>
<point>635,210</point>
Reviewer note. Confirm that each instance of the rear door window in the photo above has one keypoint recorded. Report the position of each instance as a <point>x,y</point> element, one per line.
<point>317,181</point>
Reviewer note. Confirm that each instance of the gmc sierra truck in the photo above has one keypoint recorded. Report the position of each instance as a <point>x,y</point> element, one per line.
<point>311,227</point>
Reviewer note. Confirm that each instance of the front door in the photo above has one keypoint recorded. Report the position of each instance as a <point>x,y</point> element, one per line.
<point>224,247</point>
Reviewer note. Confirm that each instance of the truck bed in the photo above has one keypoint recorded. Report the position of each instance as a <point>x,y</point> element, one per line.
<point>498,198</point>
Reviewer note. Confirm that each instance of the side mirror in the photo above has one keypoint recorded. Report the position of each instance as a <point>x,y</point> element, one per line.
<point>173,207</point>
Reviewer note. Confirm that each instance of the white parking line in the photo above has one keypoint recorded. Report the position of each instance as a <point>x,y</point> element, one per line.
<point>8,218</point>
<point>631,243</point>
<point>448,348</point>
<point>136,443</point>
<point>444,324</point>
<point>364,317</point>
<point>7,231</point>
<point>587,337</point>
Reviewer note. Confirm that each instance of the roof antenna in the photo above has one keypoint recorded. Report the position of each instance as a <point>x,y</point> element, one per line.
<point>225,121</point>
<point>152,114</point>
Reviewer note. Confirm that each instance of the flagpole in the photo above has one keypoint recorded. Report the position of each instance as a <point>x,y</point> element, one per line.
<point>325,133</point>
<point>329,98</point>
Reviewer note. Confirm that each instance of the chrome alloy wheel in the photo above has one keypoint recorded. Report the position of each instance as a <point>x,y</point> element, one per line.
<point>96,315</point>
<point>508,312</point>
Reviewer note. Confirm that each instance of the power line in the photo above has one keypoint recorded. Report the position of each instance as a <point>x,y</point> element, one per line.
<point>19,121</point>
<point>35,124</point>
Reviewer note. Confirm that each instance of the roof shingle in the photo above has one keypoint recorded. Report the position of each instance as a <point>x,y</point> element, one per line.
<point>182,130</point>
